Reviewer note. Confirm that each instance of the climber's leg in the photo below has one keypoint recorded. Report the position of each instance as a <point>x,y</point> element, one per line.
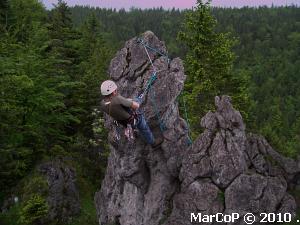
<point>144,129</point>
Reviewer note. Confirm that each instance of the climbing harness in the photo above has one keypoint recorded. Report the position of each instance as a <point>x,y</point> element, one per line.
<point>117,130</point>
<point>129,132</point>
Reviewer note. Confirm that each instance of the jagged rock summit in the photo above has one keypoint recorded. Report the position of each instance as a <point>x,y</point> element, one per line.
<point>225,170</point>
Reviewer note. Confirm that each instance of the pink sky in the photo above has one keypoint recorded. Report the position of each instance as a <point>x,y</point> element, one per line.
<point>171,3</point>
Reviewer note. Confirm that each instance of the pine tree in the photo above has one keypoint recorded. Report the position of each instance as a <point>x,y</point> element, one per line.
<point>33,106</point>
<point>26,16</point>
<point>95,55</point>
<point>22,116</point>
<point>4,13</point>
<point>63,61</point>
<point>60,21</point>
<point>208,64</point>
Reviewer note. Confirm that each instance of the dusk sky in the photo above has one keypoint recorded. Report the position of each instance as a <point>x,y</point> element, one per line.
<point>171,3</point>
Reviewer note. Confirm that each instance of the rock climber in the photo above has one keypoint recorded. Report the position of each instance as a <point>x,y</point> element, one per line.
<point>124,111</point>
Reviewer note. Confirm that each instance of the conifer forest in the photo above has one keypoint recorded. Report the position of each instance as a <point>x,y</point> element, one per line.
<point>52,62</point>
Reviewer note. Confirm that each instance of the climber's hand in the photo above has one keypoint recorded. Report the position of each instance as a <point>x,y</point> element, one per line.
<point>135,105</point>
<point>138,100</point>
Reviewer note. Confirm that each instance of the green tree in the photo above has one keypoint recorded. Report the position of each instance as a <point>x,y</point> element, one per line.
<point>4,14</point>
<point>26,17</point>
<point>60,21</point>
<point>95,54</point>
<point>63,60</point>
<point>209,64</point>
<point>34,211</point>
<point>19,69</point>
<point>34,113</point>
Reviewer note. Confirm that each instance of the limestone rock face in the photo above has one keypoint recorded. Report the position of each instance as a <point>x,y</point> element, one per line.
<point>224,170</point>
<point>63,195</point>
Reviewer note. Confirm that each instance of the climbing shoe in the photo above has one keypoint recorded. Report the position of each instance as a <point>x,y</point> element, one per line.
<point>157,142</point>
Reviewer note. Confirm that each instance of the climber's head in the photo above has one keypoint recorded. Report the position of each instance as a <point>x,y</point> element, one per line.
<point>108,87</point>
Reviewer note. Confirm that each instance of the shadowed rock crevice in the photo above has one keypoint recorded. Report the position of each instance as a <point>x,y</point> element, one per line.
<point>224,170</point>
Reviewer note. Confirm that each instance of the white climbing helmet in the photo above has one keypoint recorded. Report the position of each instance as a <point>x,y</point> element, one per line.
<point>108,87</point>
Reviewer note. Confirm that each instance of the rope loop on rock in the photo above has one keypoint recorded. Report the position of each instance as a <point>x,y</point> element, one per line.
<point>145,44</point>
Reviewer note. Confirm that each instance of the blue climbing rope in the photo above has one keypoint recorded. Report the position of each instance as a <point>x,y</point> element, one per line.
<point>150,82</point>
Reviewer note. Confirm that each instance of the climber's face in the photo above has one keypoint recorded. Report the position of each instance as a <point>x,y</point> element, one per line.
<point>115,93</point>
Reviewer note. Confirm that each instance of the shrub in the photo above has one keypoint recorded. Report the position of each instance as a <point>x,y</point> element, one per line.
<point>33,211</point>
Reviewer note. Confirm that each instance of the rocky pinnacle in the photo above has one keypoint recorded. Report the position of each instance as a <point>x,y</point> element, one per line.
<point>225,170</point>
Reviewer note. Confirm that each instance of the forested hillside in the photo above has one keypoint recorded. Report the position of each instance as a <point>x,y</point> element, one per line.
<point>269,51</point>
<point>52,62</point>
<point>49,78</point>
<point>266,50</point>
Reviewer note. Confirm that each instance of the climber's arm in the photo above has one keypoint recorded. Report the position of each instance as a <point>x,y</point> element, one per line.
<point>134,105</point>
<point>127,102</point>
